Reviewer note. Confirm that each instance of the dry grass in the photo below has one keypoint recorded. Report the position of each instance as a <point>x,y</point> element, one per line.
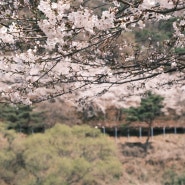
<point>166,154</point>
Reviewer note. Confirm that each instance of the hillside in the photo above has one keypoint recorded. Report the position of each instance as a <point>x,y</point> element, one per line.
<point>119,162</point>
<point>163,165</point>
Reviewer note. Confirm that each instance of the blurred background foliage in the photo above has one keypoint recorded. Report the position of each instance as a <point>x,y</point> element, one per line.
<point>22,118</point>
<point>62,155</point>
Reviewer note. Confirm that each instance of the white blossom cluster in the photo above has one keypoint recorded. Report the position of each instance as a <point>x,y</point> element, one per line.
<point>5,36</point>
<point>54,48</point>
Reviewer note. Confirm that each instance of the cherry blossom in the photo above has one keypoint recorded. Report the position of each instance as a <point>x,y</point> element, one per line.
<point>49,49</point>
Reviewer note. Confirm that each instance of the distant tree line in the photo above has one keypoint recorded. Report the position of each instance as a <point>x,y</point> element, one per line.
<point>22,118</point>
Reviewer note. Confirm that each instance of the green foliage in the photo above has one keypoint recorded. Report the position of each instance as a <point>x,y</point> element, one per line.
<point>167,25</point>
<point>62,155</point>
<point>163,31</point>
<point>22,118</point>
<point>180,50</point>
<point>150,107</point>
<point>155,35</point>
<point>171,178</point>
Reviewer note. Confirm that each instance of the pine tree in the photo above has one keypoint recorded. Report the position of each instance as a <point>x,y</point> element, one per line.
<point>150,108</point>
<point>22,118</point>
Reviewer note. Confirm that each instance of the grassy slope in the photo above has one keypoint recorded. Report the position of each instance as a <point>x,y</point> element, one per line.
<point>165,160</point>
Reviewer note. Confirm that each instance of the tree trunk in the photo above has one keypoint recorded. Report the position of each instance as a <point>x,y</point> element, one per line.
<point>148,137</point>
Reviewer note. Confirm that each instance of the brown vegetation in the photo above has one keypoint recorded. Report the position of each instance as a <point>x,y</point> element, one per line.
<point>165,159</point>
<point>65,112</point>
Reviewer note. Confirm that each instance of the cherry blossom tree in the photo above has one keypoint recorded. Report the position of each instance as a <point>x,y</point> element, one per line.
<point>50,48</point>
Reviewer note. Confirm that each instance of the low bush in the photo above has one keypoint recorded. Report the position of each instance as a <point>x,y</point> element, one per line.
<point>62,155</point>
